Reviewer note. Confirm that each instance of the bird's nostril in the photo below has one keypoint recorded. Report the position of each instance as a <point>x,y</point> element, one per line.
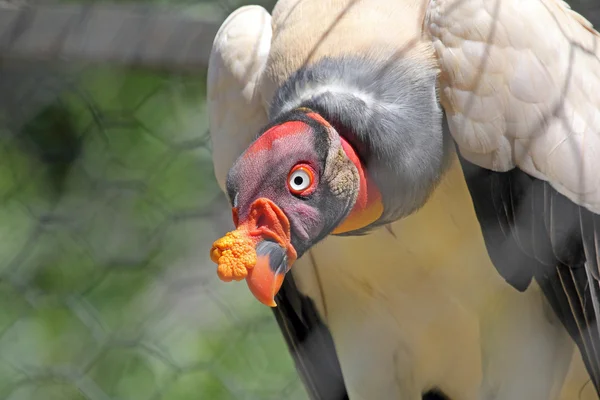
<point>268,220</point>
<point>234,215</point>
<point>262,221</point>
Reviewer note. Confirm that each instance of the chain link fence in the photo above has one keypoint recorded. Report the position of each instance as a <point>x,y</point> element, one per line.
<point>108,210</point>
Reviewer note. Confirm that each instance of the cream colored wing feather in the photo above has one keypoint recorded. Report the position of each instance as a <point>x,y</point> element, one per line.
<point>520,84</point>
<point>236,110</point>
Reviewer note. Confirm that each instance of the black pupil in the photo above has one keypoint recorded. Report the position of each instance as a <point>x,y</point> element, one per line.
<point>298,180</point>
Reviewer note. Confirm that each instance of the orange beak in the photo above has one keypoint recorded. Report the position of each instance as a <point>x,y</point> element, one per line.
<point>259,250</point>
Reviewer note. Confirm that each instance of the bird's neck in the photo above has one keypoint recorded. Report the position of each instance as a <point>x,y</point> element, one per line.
<point>368,206</point>
<point>390,117</point>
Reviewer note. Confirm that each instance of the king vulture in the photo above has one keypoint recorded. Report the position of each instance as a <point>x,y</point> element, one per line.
<point>415,186</point>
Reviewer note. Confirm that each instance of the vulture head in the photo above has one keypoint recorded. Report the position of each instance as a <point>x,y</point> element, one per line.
<point>339,160</point>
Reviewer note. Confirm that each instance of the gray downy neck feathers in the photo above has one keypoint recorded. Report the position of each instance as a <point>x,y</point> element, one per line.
<point>389,113</point>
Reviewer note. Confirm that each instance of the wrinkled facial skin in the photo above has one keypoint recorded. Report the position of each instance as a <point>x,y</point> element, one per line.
<point>277,217</point>
<point>263,171</point>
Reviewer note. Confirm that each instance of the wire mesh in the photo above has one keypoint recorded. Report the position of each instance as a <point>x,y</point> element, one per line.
<point>108,208</point>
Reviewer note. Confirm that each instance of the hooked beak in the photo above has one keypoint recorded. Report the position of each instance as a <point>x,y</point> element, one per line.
<point>259,250</point>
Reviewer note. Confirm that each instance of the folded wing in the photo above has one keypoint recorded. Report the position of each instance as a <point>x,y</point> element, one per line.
<point>520,85</point>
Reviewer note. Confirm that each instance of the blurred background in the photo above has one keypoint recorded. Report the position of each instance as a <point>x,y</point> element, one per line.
<point>109,206</point>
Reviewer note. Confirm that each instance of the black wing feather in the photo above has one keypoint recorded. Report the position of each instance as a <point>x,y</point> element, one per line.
<point>310,343</point>
<point>533,232</point>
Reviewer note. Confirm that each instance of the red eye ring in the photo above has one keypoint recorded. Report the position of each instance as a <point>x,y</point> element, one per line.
<point>301,180</point>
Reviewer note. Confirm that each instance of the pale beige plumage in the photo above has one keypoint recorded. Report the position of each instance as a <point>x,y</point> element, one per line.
<point>442,317</point>
<point>510,67</point>
<point>235,107</point>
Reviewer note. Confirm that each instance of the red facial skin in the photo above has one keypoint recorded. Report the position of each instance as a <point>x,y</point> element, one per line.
<point>241,254</point>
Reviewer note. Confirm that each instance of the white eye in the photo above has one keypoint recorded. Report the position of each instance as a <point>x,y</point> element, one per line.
<point>299,180</point>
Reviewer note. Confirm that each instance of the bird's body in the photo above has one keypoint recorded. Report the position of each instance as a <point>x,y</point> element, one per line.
<point>434,312</point>
<point>416,305</point>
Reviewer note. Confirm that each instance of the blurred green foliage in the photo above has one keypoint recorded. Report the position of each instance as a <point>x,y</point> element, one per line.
<point>108,209</point>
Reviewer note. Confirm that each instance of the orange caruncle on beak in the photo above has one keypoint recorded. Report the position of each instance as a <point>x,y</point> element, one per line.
<point>259,250</point>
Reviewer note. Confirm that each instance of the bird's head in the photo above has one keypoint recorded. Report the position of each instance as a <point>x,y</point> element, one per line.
<point>351,146</point>
<point>298,182</point>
